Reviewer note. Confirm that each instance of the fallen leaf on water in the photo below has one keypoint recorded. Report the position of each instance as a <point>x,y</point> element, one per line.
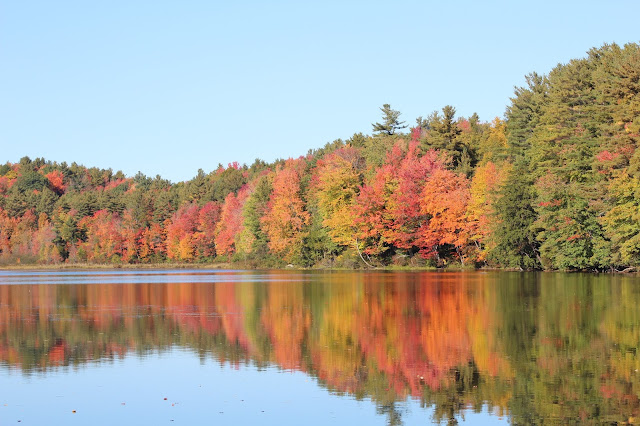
<point>165,399</point>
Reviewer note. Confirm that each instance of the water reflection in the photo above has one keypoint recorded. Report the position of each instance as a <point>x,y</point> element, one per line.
<point>535,347</point>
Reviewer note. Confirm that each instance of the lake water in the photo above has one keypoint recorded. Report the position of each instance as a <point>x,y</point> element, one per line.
<point>288,348</point>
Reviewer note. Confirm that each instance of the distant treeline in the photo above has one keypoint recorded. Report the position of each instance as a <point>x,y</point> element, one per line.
<point>555,185</point>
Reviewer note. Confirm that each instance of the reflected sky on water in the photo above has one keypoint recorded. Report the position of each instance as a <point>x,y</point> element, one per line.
<point>286,347</point>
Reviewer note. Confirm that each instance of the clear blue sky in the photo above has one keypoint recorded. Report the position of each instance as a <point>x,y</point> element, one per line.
<point>168,87</point>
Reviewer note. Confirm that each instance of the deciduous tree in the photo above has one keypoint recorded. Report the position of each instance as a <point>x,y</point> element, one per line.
<point>286,217</point>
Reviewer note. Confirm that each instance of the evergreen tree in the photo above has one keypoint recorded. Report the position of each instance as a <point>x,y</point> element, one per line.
<point>17,203</point>
<point>390,121</point>
<point>523,114</point>
<point>163,207</point>
<point>357,140</point>
<point>196,189</point>
<point>514,240</point>
<point>47,202</point>
<point>225,181</point>
<point>562,148</point>
<point>444,136</point>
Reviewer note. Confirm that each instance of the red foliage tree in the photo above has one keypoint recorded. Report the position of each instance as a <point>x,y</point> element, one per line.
<point>388,211</point>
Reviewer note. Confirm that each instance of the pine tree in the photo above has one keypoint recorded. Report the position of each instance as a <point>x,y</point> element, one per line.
<point>390,123</point>
<point>514,242</point>
<point>563,145</point>
<point>46,202</point>
<point>444,136</point>
<point>524,113</point>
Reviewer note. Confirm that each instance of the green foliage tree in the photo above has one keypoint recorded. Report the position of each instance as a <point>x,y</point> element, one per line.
<point>254,239</point>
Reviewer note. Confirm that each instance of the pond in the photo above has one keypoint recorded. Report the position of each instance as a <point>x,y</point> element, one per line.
<point>314,347</point>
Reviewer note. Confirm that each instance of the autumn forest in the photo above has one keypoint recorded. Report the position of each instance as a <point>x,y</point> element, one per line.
<point>555,184</point>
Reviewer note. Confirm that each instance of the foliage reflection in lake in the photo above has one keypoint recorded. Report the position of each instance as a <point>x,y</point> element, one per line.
<point>528,347</point>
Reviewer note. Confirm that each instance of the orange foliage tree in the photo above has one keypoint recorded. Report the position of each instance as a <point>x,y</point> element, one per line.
<point>104,241</point>
<point>286,216</point>
<point>180,232</point>
<point>56,181</point>
<point>131,237</point>
<point>445,198</point>
<point>43,241</point>
<point>6,228</point>
<point>152,243</point>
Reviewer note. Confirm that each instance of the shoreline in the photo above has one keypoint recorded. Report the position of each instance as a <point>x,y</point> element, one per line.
<point>247,267</point>
<point>210,266</point>
<point>133,266</point>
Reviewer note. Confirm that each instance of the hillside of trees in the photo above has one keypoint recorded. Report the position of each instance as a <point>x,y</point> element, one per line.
<point>553,185</point>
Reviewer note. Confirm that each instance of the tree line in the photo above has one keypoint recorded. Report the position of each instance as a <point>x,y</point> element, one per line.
<point>553,185</point>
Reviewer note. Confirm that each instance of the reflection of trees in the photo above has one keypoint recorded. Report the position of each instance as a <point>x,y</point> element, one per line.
<point>565,364</point>
<point>519,298</point>
<point>538,347</point>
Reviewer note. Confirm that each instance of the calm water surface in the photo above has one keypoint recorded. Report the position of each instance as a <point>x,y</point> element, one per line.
<point>274,347</point>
